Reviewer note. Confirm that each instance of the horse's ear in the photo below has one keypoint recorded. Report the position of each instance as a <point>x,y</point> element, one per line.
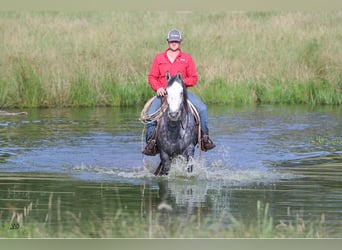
<point>168,76</point>
<point>179,76</point>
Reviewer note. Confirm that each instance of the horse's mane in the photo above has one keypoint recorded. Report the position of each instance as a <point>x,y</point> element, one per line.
<point>179,79</point>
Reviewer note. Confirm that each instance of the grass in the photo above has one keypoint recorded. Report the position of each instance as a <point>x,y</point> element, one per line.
<point>158,224</point>
<point>61,59</point>
<point>332,143</point>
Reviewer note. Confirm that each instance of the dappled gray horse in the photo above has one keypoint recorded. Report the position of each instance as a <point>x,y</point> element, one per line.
<point>177,133</point>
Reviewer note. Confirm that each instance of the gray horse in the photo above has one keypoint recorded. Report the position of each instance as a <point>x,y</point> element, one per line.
<point>176,133</point>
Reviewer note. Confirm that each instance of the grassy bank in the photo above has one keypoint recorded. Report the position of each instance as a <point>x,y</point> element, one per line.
<point>54,59</point>
<point>160,224</point>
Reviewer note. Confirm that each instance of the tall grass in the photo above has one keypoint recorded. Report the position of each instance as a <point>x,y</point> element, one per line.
<point>50,59</point>
<point>157,224</point>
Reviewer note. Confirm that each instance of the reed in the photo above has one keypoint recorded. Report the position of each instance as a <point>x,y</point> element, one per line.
<point>158,224</point>
<point>54,59</point>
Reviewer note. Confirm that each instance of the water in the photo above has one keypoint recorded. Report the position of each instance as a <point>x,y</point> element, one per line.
<point>88,162</point>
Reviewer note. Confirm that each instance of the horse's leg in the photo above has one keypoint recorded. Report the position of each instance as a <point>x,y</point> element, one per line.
<point>190,168</point>
<point>158,170</point>
<point>189,154</point>
<point>165,164</point>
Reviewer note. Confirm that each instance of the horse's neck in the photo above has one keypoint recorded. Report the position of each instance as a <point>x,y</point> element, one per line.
<point>174,130</point>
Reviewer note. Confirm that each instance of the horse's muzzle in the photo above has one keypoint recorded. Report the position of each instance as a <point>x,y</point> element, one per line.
<point>174,116</point>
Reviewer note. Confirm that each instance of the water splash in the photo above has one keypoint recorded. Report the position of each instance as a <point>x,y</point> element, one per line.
<point>220,169</point>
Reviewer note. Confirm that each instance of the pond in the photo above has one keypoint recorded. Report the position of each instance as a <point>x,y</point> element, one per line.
<point>87,162</point>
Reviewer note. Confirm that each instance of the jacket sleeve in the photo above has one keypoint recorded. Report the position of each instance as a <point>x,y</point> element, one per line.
<point>154,75</point>
<point>191,73</point>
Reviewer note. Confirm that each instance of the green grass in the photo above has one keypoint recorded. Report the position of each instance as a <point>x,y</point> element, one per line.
<point>61,59</point>
<point>160,224</point>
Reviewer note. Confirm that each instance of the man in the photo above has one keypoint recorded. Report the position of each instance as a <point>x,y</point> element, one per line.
<point>174,60</point>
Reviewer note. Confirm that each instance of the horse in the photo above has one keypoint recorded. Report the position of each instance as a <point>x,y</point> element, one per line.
<point>176,133</point>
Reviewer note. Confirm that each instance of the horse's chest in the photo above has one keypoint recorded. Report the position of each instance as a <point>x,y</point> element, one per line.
<point>175,147</point>
<point>175,140</point>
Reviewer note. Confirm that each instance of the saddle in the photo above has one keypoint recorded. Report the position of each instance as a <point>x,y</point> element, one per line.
<point>156,116</point>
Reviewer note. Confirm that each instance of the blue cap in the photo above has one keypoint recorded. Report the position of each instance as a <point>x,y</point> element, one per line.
<point>174,36</point>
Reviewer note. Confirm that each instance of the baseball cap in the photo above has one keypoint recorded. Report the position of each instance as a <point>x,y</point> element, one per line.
<point>174,36</point>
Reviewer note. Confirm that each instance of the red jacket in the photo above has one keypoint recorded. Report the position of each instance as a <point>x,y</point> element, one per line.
<point>161,64</point>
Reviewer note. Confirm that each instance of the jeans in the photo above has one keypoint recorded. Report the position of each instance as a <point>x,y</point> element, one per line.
<point>199,105</point>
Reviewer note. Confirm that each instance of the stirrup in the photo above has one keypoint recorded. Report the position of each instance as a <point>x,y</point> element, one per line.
<point>207,143</point>
<point>151,148</point>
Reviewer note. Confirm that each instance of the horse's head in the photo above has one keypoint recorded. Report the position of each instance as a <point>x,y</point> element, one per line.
<point>176,92</point>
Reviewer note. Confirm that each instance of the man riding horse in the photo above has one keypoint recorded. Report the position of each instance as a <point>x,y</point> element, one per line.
<point>174,61</point>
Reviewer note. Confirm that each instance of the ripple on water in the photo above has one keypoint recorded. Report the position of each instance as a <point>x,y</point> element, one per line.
<point>203,170</point>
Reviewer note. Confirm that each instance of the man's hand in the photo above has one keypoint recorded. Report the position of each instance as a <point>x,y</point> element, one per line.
<point>161,92</point>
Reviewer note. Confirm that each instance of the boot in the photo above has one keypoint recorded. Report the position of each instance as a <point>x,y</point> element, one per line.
<point>207,143</point>
<point>151,146</point>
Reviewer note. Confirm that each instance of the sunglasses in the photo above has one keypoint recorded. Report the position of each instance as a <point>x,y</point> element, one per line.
<point>174,41</point>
